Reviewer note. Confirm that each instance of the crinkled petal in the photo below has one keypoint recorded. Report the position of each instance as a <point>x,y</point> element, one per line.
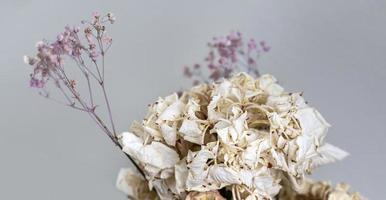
<point>191,131</point>
<point>169,134</point>
<point>328,154</point>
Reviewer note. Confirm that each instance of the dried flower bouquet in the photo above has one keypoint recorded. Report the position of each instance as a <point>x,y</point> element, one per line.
<point>235,135</point>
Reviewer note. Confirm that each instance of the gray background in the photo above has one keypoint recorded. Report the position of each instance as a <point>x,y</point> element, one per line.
<point>334,51</point>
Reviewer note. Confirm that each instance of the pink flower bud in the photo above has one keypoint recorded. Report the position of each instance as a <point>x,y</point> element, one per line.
<point>252,45</point>
<point>264,46</point>
<point>96,14</point>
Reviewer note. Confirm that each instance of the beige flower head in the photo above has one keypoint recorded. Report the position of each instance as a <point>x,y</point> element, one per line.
<point>241,134</point>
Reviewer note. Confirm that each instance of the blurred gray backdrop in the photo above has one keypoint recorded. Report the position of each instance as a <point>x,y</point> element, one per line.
<point>334,51</point>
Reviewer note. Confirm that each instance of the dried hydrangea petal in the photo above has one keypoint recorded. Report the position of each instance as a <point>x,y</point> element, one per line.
<point>268,83</point>
<point>328,154</point>
<point>224,175</point>
<point>169,134</point>
<point>191,131</point>
<point>172,112</point>
<point>132,184</point>
<point>198,169</point>
<point>181,174</point>
<point>155,154</point>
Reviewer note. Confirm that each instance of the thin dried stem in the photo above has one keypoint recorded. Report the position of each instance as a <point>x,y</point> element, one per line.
<point>48,67</point>
<point>109,109</point>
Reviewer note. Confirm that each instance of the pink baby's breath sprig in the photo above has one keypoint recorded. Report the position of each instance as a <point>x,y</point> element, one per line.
<point>85,47</point>
<point>228,55</point>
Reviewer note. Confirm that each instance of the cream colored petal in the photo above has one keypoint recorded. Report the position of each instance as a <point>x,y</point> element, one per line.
<point>264,185</point>
<point>314,129</point>
<point>138,129</point>
<point>274,89</point>
<point>197,160</point>
<point>167,173</point>
<point>280,103</point>
<point>223,89</point>
<point>126,179</point>
<point>250,155</point>
<point>159,155</point>
<point>169,134</point>
<point>277,122</point>
<point>224,175</point>
<point>213,115</point>
<point>197,173</point>
<point>306,147</point>
<point>239,123</point>
<point>155,154</point>
<point>191,108</point>
<point>181,175</point>
<point>298,100</point>
<point>268,84</point>
<point>280,160</point>
<point>162,189</point>
<point>266,80</point>
<point>152,171</point>
<point>196,181</point>
<point>133,185</point>
<point>224,135</point>
<point>328,154</point>
<point>230,132</point>
<point>312,123</point>
<point>152,131</point>
<point>131,144</point>
<point>172,112</point>
<point>163,103</point>
<point>191,131</point>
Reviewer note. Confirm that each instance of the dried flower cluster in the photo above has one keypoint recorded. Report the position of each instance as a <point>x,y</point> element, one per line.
<point>227,55</point>
<point>242,134</point>
<point>85,48</point>
<point>234,138</point>
<point>48,62</point>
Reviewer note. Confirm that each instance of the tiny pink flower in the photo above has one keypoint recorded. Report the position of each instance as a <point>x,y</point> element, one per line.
<point>264,46</point>
<point>36,83</point>
<point>187,72</point>
<point>111,18</point>
<point>107,39</point>
<point>94,55</point>
<point>252,45</point>
<point>96,14</point>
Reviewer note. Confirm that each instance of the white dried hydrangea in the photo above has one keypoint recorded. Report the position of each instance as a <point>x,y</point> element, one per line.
<point>242,134</point>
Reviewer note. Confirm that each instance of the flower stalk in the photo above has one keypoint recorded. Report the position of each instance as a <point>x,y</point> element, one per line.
<point>51,71</point>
